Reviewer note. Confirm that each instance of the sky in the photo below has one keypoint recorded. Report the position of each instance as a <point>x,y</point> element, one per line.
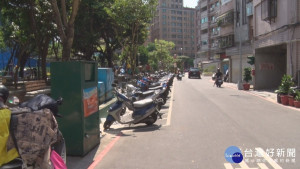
<point>190,3</point>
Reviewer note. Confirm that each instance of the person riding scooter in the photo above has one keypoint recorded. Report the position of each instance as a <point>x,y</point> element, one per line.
<point>218,75</point>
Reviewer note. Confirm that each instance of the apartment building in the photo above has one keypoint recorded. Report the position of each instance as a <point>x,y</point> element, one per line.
<point>242,39</point>
<point>276,41</point>
<point>173,22</point>
<point>215,34</point>
<point>207,30</point>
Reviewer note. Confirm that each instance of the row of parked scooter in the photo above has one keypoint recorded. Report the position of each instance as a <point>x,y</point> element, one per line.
<point>141,99</point>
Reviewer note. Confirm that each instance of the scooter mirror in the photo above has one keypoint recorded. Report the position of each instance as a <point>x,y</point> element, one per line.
<point>13,100</point>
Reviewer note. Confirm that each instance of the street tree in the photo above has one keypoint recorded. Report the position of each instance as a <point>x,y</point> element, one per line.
<point>16,33</point>
<point>64,15</point>
<point>95,32</point>
<point>33,29</point>
<point>132,19</point>
<point>160,57</point>
<point>181,60</point>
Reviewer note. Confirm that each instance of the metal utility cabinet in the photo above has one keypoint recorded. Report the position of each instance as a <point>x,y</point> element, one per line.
<point>76,82</point>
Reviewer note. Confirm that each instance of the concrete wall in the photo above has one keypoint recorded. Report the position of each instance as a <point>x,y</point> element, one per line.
<point>270,66</point>
<point>270,37</point>
<point>293,59</point>
<point>262,27</point>
<point>226,7</point>
<point>235,67</point>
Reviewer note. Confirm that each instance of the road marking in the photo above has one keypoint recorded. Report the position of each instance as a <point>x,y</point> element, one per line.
<point>170,108</point>
<point>244,166</point>
<point>262,166</point>
<point>268,158</point>
<point>99,158</point>
<point>228,166</point>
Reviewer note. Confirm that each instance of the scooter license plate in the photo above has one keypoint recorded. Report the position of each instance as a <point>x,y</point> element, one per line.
<point>220,81</point>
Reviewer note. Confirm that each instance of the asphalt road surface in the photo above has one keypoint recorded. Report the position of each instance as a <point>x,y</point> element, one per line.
<point>200,122</point>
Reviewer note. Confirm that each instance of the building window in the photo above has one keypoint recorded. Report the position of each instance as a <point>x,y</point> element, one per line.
<point>225,1</point>
<point>249,8</point>
<point>268,10</point>
<point>203,20</point>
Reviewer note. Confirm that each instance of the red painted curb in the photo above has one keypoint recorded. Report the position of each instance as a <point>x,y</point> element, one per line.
<point>101,155</point>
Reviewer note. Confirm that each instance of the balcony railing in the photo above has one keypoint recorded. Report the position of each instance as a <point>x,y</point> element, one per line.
<point>225,19</point>
<point>215,33</point>
<point>226,41</point>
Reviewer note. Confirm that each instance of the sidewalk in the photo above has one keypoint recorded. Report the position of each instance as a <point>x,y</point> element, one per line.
<point>269,95</point>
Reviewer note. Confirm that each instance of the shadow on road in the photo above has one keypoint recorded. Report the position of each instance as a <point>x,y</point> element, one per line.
<point>133,128</point>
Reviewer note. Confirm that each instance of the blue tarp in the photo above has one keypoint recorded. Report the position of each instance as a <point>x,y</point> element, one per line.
<point>4,57</point>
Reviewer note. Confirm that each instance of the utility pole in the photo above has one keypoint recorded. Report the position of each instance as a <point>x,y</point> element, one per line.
<point>240,86</point>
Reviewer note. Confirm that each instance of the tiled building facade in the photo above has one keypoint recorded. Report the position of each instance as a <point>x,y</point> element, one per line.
<point>173,22</point>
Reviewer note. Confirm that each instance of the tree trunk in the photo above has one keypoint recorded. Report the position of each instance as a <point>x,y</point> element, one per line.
<point>65,27</point>
<point>67,44</point>
<point>10,59</point>
<point>44,54</point>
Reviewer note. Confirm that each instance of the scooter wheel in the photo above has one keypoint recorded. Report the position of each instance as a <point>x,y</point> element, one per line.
<point>107,124</point>
<point>152,119</point>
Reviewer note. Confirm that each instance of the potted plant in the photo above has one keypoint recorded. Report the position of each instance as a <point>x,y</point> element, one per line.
<point>297,99</point>
<point>291,96</point>
<point>286,83</point>
<point>279,92</point>
<point>247,78</point>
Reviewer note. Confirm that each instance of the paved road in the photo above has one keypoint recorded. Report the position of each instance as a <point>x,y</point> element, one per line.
<point>203,123</point>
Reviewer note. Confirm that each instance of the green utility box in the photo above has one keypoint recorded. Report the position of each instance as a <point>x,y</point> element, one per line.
<point>76,82</point>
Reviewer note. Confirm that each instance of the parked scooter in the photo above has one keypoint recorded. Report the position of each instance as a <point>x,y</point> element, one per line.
<point>144,111</point>
<point>53,147</point>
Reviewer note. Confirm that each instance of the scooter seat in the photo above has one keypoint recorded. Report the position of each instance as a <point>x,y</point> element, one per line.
<point>155,88</point>
<point>142,103</point>
<point>146,93</point>
<point>155,84</point>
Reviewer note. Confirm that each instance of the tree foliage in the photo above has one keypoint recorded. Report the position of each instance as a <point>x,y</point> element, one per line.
<point>132,19</point>
<point>160,56</point>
